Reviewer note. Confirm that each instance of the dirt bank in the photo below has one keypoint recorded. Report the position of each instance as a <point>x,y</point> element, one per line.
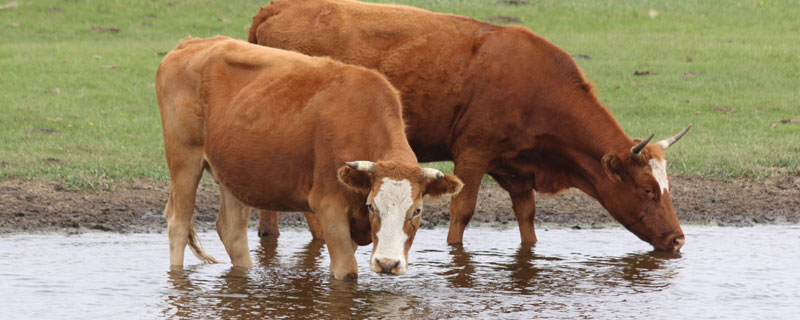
<point>29,206</point>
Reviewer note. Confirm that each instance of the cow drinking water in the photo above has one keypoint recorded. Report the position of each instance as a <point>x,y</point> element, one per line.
<point>280,130</point>
<point>497,100</point>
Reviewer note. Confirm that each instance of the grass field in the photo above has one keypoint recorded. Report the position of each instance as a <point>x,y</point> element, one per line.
<point>79,106</point>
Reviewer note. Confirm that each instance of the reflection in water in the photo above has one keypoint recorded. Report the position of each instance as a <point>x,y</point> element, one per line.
<point>297,284</point>
<point>529,273</point>
<point>463,282</point>
<point>192,300</point>
<point>641,272</point>
<point>727,272</point>
<point>180,298</point>
<point>233,298</point>
<point>459,272</point>
<point>523,270</point>
<point>310,257</point>
<point>265,255</point>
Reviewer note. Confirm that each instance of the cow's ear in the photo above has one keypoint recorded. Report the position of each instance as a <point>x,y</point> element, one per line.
<point>612,165</point>
<point>447,185</point>
<point>359,181</point>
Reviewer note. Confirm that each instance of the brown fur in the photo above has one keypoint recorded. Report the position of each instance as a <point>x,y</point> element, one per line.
<point>493,99</point>
<point>274,127</point>
<point>357,181</point>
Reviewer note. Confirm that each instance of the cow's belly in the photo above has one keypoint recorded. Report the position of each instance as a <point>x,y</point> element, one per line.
<point>265,166</point>
<point>428,152</point>
<point>427,136</point>
<point>262,184</point>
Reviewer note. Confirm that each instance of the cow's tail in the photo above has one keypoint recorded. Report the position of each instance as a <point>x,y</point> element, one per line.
<point>262,15</point>
<point>197,249</point>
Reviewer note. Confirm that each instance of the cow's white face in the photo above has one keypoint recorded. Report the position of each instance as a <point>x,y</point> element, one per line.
<point>393,213</point>
<point>394,192</point>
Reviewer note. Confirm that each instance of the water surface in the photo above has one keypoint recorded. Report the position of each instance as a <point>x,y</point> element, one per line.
<point>721,273</point>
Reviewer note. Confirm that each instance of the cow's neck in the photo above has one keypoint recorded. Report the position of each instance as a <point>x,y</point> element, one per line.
<point>395,149</point>
<point>387,141</point>
<point>401,155</point>
<point>576,143</point>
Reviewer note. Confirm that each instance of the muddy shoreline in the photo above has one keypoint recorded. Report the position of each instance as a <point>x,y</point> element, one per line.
<point>33,206</point>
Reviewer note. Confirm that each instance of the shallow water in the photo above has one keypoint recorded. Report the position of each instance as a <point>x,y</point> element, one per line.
<point>721,273</point>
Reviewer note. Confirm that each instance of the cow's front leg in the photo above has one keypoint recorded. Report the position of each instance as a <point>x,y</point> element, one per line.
<point>268,225</point>
<point>341,248</point>
<point>462,206</point>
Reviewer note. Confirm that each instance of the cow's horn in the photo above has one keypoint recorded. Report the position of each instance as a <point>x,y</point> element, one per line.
<point>638,148</point>
<point>664,144</point>
<point>432,173</point>
<point>366,166</point>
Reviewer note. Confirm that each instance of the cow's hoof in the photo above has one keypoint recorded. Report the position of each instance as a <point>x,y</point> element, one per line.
<point>264,234</point>
<point>349,277</point>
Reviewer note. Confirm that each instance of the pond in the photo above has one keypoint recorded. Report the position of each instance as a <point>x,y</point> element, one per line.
<point>604,273</point>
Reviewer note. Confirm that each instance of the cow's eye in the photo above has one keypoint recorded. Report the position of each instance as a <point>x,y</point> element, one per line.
<point>647,191</point>
<point>370,208</point>
<point>417,212</point>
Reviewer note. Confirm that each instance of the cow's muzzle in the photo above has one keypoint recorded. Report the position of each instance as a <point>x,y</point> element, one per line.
<point>671,243</point>
<point>388,266</point>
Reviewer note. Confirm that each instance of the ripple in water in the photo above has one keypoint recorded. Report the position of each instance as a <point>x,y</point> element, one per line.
<point>721,273</point>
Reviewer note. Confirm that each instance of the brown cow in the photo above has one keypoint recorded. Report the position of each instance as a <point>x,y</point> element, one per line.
<point>493,99</point>
<point>275,129</point>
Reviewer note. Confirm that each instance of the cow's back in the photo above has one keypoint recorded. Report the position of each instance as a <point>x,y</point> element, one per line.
<point>425,55</point>
<point>272,120</point>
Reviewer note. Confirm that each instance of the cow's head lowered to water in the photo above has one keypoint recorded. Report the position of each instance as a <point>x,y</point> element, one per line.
<point>639,193</point>
<point>394,201</point>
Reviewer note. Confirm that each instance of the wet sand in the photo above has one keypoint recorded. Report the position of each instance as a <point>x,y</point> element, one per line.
<point>32,206</point>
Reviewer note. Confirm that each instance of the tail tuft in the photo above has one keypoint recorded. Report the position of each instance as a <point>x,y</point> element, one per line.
<point>197,249</point>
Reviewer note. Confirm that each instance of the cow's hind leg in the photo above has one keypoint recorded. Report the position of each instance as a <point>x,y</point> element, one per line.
<point>317,233</point>
<point>232,228</point>
<point>524,205</point>
<point>268,223</point>
<point>523,202</point>
<point>185,168</point>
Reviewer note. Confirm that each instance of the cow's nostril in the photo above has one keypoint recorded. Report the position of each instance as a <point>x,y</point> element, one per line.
<point>387,264</point>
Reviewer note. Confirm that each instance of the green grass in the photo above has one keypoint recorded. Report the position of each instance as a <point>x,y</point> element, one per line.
<point>745,56</point>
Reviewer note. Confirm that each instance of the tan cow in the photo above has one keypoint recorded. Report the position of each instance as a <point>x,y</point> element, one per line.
<point>280,131</point>
<point>493,99</point>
